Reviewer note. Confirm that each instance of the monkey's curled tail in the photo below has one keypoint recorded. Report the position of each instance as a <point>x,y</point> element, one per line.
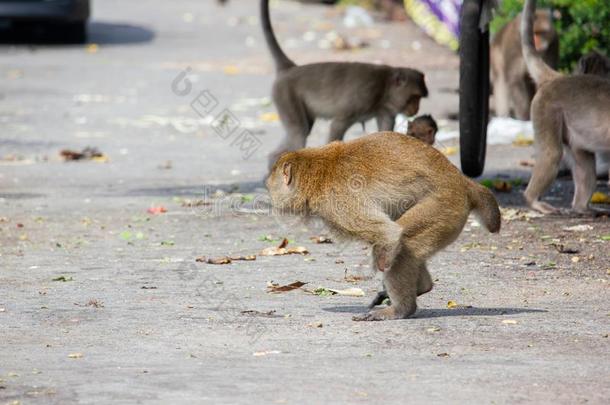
<point>485,207</point>
<point>537,68</point>
<point>282,62</point>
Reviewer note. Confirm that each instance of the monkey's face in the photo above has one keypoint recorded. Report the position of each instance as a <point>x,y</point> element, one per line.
<point>281,186</point>
<point>412,106</point>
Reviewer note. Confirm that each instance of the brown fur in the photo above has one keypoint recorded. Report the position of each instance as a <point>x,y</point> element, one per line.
<point>394,192</point>
<point>346,93</point>
<point>513,86</point>
<point>570,113</point>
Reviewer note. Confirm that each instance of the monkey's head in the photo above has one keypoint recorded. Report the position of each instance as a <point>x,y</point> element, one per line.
<point>544,33</point>
<point>283,183</point>
<point>407,89</point>
<point>423,128</point>
<point>594,63</point>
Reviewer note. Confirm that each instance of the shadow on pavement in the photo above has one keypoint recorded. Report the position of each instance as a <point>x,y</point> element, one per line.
<point>197,190</point>
<point>99,32</point>
<point>443,312</point>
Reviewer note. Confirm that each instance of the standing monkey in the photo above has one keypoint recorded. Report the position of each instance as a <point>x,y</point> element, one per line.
<point>346,93</point>
<point>513,87</point>
<point>390,191</point>
<point>570,113</point>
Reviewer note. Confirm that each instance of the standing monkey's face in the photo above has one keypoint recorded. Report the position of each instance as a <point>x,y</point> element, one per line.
<point>409,87</point>
<point>412,106</point>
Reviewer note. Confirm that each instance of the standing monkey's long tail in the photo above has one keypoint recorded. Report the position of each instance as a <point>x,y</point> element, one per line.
<point>282,62</point>
<point>538,69</point>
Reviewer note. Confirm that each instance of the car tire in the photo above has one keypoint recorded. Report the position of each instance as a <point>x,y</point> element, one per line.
<point>74,32</point>
<point>474,89</point>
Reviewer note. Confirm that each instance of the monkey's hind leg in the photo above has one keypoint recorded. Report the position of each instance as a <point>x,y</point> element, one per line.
<point>427,227</point>
<point>548,129</point>
<point>585,180</point>
<point>424,285</point>
<point>401,284</point>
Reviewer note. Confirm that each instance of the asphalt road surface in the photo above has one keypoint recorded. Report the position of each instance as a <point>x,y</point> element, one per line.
<point>102,299</point>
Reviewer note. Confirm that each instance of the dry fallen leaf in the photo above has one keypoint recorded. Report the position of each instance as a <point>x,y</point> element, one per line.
<point>224,259</point>
<point>452,304</point>
<point>283,250</point>
<point>275,289</point>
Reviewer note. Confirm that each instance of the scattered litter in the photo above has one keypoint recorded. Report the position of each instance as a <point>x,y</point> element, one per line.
<point>266,314</point>
<point>75,356</point>
<point>63,279</point>
<point>521,140</point>
<point>266,353</point>
<point>195,203</point>
<point>512,214</point>
<point>320,239</point>
<point>356,16</point>
<point>88,153</point>
<point>157,210</point>
<point>168,165</point>
<point>449,150</point>
<point>231,70</point>
<point>275,288</point>
<point>92,48</point>
<point>600,198</point>
<point>506,131</point>
<point>433,329</point>
<point>353,279</point>
<point>283,250</point>
<point>509,322</point>
<point>578,228</point>
<point>348,292</point>
<point>565,249</point>
<point>442,355</point>
<point>270,117</point>
<point>148,287</point>
<point>452,304</point>
<point>225,259</point>
<point>315,325</point>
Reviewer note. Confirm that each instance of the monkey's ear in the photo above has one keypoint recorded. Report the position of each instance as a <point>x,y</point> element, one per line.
<point>287,172</point>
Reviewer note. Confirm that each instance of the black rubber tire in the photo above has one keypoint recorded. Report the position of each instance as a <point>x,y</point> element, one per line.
<point>74,32</point>
<point>474,89</point>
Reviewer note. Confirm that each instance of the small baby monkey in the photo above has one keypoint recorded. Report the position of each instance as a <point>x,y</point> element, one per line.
<point>391,191</point>
<point>423,128</point>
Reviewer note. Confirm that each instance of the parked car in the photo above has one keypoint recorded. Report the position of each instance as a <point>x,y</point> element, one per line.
<point>64,18</point>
